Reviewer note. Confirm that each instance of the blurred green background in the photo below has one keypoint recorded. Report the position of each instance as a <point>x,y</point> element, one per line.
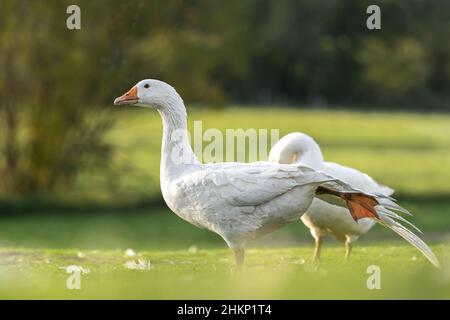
<point>78,172</point>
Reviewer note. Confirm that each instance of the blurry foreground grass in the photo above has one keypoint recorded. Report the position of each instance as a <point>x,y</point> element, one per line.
<point>206,274</point>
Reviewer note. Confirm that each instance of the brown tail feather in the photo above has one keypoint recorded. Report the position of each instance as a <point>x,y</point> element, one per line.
<point>359,205</point>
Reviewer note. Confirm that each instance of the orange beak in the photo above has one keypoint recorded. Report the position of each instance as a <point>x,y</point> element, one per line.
<point>128,98</point>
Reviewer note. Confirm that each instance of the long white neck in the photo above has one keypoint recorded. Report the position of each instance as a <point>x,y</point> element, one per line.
<point>297,148</point>
<point>177,156</point>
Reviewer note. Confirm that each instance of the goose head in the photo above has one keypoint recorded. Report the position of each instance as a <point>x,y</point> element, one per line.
<point>150,93</point>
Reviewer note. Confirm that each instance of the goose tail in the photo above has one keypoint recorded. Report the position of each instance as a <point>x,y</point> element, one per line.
<point>378,207</point>
<point>408,235</point>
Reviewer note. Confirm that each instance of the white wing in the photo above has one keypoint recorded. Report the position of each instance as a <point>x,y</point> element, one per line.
<point>254,183</point>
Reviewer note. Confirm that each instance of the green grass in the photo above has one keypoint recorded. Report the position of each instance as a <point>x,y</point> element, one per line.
<point>207,274</point>
<point>159,228</point>
<point>118,206</point>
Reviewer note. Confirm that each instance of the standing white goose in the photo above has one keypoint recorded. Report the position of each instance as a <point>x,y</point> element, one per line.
<point>323,218</point>
<point>235,200</point>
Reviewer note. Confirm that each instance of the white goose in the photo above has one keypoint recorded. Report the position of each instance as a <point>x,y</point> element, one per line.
<point>235,200</point>
<point>323,218</point>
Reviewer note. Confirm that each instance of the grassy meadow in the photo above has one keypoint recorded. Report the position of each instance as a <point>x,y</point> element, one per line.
<point>118,205</point>
<point>407,151</point>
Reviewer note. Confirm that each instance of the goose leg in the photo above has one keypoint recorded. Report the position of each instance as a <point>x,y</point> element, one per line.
<point>348,249</point>
<point>318,235</point>
<point>316,256</point>
<point>239,254</point>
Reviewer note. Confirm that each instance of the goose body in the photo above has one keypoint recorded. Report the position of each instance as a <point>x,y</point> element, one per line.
<point>237,201</point>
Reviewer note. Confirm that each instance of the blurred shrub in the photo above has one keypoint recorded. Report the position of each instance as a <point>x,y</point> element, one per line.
<point>393,70</point>
<point>50,126</point>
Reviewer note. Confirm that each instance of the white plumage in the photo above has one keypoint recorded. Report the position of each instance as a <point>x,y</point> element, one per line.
<point>235,200</point>
<point>323,218</point>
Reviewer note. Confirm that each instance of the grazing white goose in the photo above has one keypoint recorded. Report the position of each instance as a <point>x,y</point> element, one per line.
<point>323,218</point>
<point>240,201</point>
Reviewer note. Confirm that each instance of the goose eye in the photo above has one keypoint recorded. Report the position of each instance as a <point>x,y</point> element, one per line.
<point>146,86</point>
